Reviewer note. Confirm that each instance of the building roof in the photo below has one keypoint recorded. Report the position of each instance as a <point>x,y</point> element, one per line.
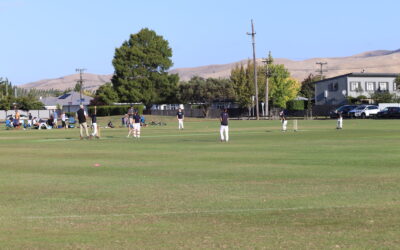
<point>361,75</point>
<point>68,99</point>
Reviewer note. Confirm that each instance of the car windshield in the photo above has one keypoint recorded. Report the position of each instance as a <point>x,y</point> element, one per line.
<point>385,109</point>
<point>360,107</point>
<point>345,108</point>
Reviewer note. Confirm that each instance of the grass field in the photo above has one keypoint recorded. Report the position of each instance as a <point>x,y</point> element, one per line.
<point>317,188</point>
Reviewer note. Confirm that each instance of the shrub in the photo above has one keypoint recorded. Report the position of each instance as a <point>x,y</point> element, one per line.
<point>295,105</point>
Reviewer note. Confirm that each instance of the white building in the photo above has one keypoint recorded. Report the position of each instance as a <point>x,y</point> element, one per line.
<point>336,90</point>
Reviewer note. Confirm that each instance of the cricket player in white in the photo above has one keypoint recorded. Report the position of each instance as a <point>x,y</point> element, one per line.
<point>180,116</point>
<point>94,123</point>
<point>284,121</point>
<point>339,121</point>
<point>136,125</point>
<point>224,130</point>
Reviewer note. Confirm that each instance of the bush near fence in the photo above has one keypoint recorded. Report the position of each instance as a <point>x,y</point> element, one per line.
<point>114,110</point>
<point>295,105</point>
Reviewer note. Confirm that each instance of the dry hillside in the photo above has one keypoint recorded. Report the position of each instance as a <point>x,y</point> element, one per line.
<point>380,61</point>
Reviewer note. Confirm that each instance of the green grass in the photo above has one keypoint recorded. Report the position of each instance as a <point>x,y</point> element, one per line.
<point>312,189</point>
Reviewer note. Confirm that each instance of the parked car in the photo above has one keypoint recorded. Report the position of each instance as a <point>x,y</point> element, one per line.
<point>389,112</point>
<point>344,109</point>
<point>365,111</point>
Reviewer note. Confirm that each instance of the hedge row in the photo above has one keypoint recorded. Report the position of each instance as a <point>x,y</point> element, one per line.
<point>295,105</point>
<point>115,110</point>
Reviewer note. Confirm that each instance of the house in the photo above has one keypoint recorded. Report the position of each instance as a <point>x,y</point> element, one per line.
<point>69,102</point>
<point>336,90</point>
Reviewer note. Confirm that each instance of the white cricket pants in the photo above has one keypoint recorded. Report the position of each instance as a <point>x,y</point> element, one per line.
<point>339,122</point>
<point>224,129</point>
<point>136,130</point>
<point>284,125</point>
<point>180,123</point>
<point>94,125</point>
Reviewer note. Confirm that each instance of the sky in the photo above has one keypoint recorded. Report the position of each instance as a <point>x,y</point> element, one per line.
<point>42,39</point>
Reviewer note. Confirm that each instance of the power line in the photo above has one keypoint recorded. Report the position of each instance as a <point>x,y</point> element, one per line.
<point>252,34</point>
<point>321,70</point>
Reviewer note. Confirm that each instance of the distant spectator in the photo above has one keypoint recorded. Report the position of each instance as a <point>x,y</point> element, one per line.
<point>55,119</point>
<point>50,121</point>
<point>9,124</point>
<point>29,120</point>
<point>16,120</point>
<point>143,121</point>
<point>63,120</point>
<point>110,125</point>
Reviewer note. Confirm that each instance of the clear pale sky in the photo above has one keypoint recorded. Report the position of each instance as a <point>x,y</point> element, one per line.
<point>51,38</point>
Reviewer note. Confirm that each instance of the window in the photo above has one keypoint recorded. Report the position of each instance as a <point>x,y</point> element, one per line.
<point>355,86</point>
<point>370,86</point>
<point>334,86</point>
<point>383,86</point>
<point>395,87</point>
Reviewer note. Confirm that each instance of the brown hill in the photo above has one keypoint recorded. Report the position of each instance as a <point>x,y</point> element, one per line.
<point>380,61</point>
<point>92,82</point>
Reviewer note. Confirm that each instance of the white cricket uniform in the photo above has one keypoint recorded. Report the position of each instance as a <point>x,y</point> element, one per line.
<point>340,122</point>
<point>224,130</point>
<point>284,125</point>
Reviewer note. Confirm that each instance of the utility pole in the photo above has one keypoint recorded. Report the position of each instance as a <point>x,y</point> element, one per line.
<point>267,62</point>
<point>80,83</point>
<point>252,34</point>
<point>321,70</point>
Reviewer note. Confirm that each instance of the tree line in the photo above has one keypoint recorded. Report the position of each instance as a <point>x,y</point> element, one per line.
<point>141,75</point>
<point>13,97</point>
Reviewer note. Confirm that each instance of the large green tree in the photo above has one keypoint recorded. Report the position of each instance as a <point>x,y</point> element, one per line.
<point>141,66</point>
<point>307,89</point>
<point>282,87</point>
<point>105,95</point>
<point>205,91</point>
<point>242,78</point>
<point>28,102</point>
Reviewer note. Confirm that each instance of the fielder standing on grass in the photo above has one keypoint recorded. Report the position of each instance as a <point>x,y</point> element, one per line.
<point>136,125</point>
<point>339,120</point>
<point>180,116</point>
<point>94,123</point>
<point>82,121</point>
<point>224,126</point>
<point>284,121</point>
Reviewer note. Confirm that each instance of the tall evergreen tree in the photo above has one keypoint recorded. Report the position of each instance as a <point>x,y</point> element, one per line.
<point>141,66</point>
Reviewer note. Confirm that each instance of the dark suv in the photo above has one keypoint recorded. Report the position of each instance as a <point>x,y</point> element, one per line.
<point>389,112</point>
<point>344,109</point>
